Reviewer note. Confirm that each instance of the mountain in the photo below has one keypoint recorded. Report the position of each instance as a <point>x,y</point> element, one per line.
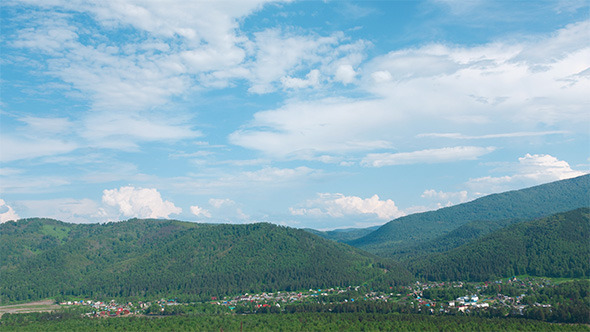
<point>455,238</point>
<point>343,234</point>
<point>44,258</point>
<point>502,208</point>
<point>555,246</point>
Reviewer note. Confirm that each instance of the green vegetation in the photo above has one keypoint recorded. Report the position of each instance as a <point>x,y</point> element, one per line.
<point>462,248</point>
<point>44,258</point>
<point>343,235</point>
<point>501,209</point>
<point>356,321</point>
<point>556,246</point>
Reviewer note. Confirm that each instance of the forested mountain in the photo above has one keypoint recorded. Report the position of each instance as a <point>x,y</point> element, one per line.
<point>344,234</point>
<point>555,246</point>
<point>455,238</point>
<point>43,258</point>
<point>498,209</point>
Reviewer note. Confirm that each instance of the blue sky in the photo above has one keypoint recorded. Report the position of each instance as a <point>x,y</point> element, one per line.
<point>322,114</point>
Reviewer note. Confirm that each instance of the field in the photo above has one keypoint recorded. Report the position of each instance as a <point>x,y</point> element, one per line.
<point>38,306</point>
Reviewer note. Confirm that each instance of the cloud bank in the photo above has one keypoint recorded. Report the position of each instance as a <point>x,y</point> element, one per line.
<point>339,205</point>
<point>139,202</point>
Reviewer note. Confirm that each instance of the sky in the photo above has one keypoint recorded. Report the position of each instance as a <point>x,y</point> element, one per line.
<point>319,114</point>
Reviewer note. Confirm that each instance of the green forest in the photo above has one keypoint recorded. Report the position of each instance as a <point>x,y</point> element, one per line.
<point>303,321</point>
<point>556,246</point>
<point>410,233</point>
<point>145,258</point>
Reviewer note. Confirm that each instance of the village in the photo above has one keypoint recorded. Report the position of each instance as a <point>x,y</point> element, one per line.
<point>421,297</point>
<point>115,309</point>
<point>431,297</point>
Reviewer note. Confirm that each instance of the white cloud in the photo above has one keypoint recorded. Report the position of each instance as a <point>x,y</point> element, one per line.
<point>345,74</point>
<point>124,130</point>
<point>428,156</point>
<point>245,182</point>
<point>529,171</point>
<point>139,202</point>
<point>278,53</point>
<point>492,136</point>
<point>24,183</point>
<point>305,129</point>
<point>33,137</point>
<point>438,88</point>
<point>278,175</point>
<point>15,148</point>
<point>65,209</point>
<point>339,205</point>
<point>443,199</point>
<point>51,126</point>
<point>311,79</point>
<point>381,76</point>
<point>227,210</point>
<point>165,49</point>
<point>220,202</point>
<point>7,213</point>
<point>199,211</point>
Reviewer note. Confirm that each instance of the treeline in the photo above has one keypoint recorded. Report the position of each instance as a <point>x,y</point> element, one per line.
<point>150,258</point>
<point>321,321</point>
<point>555,246</point>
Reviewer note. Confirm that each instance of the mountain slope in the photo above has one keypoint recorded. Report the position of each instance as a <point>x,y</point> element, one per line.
<point>524,204</point>
<point>455,238</point>
<point>555,246</point>
<point>138,258</point>
<point>343,235</point>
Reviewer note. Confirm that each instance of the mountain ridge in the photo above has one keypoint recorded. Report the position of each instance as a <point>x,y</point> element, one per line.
<point>515,205</point>
<point>137,258</point>
<point>554,246</point>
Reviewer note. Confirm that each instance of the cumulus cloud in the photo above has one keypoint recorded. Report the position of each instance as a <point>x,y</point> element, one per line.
<point>429,156</point>
<point>139,202</point>
<point>339,205</point>
<point>199,211</point>
<point>311,79</point>
<point>345,74</point>
<point>7,213</point>
<point>530,170</point>
<point>443,199</point>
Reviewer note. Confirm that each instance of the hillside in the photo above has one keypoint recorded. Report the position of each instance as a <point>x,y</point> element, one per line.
<point>145,258</point>
<point>512,206</point>
<point>455,238</point>
<point>344,234</point>
<point>555,246</point>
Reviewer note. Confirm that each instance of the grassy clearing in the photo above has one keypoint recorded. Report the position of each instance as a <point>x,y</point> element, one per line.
<point>38,306</point>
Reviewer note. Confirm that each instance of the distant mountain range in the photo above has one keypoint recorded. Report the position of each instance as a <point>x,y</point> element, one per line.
<point>450,227</point>
<point>43,258</point>
<point>343,234</point>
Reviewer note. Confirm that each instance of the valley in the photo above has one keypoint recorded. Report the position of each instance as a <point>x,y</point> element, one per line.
<point>532,269</point>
